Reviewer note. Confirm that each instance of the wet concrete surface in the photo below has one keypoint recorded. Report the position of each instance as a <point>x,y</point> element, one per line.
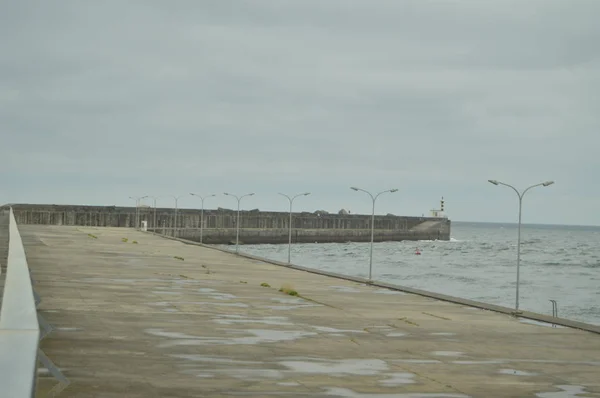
<point>135,320</point>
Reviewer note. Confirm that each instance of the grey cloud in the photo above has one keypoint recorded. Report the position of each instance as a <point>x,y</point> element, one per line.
<point>438,96</point>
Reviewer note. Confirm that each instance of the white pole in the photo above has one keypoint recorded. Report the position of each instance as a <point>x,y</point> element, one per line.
<point>520,196</point>
<point>291,200</point>
<point>202,213</point>
<point>373,198</point>
<point>237,230</point>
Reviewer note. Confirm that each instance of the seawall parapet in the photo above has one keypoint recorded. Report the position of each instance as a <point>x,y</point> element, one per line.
<point>219,226</point>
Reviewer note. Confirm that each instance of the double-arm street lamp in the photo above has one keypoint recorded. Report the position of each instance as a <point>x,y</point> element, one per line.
<point>202,211</point>
<point>237,224</point>
<point>175,231</point>
<point>520,195</point>
<point>154,205</point>
<point>291,199</point>
<point>137,206</point>
<point>373,198</point>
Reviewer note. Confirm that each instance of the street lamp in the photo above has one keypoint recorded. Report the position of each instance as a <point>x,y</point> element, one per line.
<point>176,209</point>
<point>374,198</point>
<point>520,195</point>
<point>154,204</point>
<point>291,199</point>
<point>201,212</point>
<point>237,224</point>
<point>137,205</point>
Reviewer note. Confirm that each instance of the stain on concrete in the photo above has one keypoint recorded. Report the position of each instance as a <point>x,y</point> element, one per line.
<point>362,367</point>
<point>237,319</point>
<point>347,393</point>
<point>397,379</point>
<point>514,372</point>
<point>538,323</point>
<point>566,392</point>
<point>257,336</point>
<point>448,353</point>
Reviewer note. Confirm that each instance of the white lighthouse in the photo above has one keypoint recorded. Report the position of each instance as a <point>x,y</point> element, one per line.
<point>439,213</point>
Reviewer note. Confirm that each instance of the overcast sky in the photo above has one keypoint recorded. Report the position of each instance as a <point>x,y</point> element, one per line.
<point>101,100</point>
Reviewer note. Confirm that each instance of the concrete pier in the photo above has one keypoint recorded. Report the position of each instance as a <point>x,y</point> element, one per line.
<point>137,315</point>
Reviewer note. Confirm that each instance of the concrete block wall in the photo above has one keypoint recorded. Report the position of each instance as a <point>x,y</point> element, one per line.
<point>255,226</point>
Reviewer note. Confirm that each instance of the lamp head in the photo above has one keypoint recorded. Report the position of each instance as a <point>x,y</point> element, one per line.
<point>394,190</point>
<point>354,188</point>
<point>306,193</point>
<point>250,194</point>
<point>493,182</point>
<point>225,193</point>
<point>548,183</point>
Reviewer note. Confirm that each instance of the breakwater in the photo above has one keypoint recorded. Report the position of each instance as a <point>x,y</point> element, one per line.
<point>219,226</point>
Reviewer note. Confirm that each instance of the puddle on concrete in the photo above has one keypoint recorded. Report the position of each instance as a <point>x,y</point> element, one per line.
<point>171,335</point>
<point>165,292</point>
<point>240,305</point>
<point>490,362</point>
<point>347,393</point>
<point>567,392</point>
<point>167,303</point>
<point>361,367</point>
<point>345,289</point>
<point>68,329</point>
<point>389,291</point>
<point>259,336</point>
<point>397,379</point>
<point>448,353</point>
<point>44,371</point>
<point>289,307</point>
<point>538,323</point>
<point>283,300</point>
<point>288,384</point>
<point>159,303</point>
<point>254,374</point>
<point>216,294</point>
<point>334,330</point>
<point>50,310</point>
<point>127,280</point>
<point>396,334</point>
<point>443,334</point>
<point>508,360</point>
<point>514,372</point>
<point>213,360</point>
<point>268,320</point>
<point>170,310</point>
<point>197,373</point>
<point>416,361</point>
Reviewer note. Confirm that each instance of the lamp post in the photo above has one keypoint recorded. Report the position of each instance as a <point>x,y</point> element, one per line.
<point>237,224</point>
<point>291,199</point>
<point>137,205</point>
<point>520,195</point>
<point>201,212</point>
<point>374,198</point>
<point>175,231</point>
<point>154,217</point>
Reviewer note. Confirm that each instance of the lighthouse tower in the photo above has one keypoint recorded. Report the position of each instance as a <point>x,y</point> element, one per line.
<point>439,213</point>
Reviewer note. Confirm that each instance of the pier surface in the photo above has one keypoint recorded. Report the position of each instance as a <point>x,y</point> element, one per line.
<point>136,315</point>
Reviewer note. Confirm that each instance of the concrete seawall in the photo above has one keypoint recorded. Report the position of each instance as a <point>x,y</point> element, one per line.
<point>219,226</point>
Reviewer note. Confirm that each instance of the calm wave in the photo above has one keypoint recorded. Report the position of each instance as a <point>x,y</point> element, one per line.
<point>479,263</point>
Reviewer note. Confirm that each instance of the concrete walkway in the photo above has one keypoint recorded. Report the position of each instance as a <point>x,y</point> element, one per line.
<point>159,318</point>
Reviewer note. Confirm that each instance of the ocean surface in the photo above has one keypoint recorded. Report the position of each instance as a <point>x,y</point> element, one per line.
<point>479,262</point>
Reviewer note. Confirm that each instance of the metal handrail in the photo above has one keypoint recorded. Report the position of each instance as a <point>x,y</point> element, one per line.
<point>19,328</point>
